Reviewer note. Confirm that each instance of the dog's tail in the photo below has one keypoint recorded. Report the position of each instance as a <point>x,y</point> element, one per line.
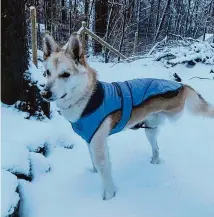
<point>197,105</point>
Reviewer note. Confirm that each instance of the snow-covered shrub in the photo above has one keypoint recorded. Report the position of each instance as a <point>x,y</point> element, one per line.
<point>188,53</point>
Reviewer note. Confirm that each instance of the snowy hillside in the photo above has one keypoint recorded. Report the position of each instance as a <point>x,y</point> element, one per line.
<point>61,185</point>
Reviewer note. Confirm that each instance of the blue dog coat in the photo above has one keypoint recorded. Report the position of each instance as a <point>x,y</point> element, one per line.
<point>119,96</point>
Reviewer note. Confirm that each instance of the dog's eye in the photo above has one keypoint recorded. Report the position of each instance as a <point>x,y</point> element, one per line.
<point>65,75</point>
<point>46,73</point>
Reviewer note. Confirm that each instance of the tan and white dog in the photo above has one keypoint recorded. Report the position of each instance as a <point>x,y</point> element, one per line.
<point>71,82</point>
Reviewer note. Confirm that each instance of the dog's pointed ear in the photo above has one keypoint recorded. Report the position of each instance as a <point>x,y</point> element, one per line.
<point>49,46</point>
<point>74,47</point>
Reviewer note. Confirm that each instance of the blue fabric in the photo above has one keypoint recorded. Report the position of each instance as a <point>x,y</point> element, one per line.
<point>121,96</point>
<point>142,89</point>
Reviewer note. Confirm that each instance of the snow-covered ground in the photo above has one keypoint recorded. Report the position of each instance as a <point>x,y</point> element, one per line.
<point>62,186</point>
<point>10,197</point>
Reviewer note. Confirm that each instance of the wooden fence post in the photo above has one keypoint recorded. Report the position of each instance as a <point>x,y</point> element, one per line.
<point>83,35</point>
<point>34,34</point>
<point>70,20</point>
<point>135,42</point>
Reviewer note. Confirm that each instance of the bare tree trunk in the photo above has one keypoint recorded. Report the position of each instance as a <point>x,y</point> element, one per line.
<point>86,10</point>
<point>195,18</point>
<point>107,30</point>
<point>123,28</point>
<point>138,16</point>
<point>199,25</point>
<point>168,25</point>
<point>63,11</point>
<point>48,7</point>
<point>178,16</point>
<point>157,16</point>
<point>162,19</point>
<point>189,24</point>
<point>101,11</point>
<point>149,26</point>
<point>75,13</point>
<point>206,21</point>
<point>14,50</point>
<point>187,18</point>
<point>90,12</point>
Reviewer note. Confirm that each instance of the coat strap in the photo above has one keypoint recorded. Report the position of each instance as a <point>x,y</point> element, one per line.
<point>126,105</point>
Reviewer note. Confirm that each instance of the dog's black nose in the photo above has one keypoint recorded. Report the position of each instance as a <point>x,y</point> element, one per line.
<point>46,94</point>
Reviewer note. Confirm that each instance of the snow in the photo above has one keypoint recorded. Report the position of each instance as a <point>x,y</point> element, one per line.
<point>208,37</point>
<point>19,136</point>
<point>39,164</point>
<point>9,196</point>
<point>181,186</point>
<point>37,75</point>
<point>197,51</point>
<point>15,157</point>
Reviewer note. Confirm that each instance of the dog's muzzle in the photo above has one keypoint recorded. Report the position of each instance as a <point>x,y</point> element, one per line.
<point>46,94</point>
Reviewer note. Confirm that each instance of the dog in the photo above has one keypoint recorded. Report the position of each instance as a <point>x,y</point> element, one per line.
<point>73,85</point>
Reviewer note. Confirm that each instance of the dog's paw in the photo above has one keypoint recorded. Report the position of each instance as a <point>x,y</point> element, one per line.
<point>155,160</point>
<point>108,196</point>
<point>93,170</point>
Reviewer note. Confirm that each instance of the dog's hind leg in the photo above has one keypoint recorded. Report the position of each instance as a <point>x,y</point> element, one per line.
<point>151,135</point>
<point>152,125</point>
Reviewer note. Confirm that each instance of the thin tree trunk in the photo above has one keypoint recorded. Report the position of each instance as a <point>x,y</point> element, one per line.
<point>123,28</point>
<point>177,21</point>
<point>187,18</point>
<point>195,19</point>
<point>86,20</point>
<point>90,12</point>
<point>191,17</point>
<point>63,11</point>
<point>206,21</point>
<point>162,19</point>
<point>107,31</point>
<point>101,11</point>
<point>138,16</point>
<point>149,26</point>
<point>158,12</point>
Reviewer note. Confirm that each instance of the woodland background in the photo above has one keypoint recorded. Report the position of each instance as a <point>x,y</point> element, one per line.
<point>115,21</point>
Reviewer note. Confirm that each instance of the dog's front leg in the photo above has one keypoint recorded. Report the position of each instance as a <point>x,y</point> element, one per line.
<point>100,155</point>
<point>94,169</point>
